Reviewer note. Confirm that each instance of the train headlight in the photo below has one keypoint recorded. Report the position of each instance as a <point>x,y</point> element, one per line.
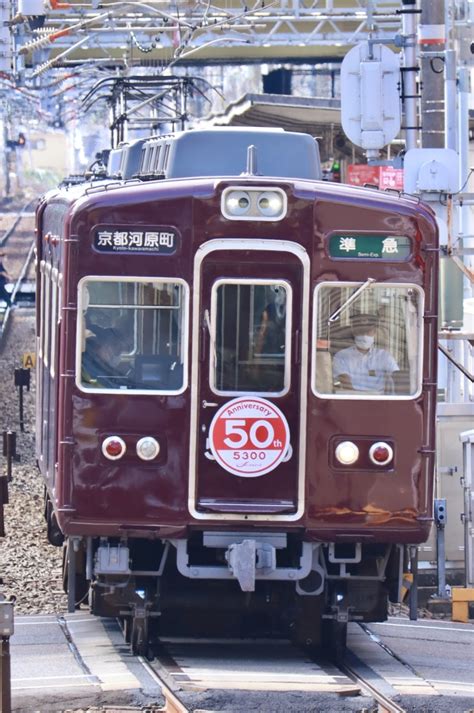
<point>380,453</point>
<point>113,447</point>
<point>237,203</point>
<point>347,453</point>
<point>148,448</point>
<point>254,203</point>
<point>270,203</point>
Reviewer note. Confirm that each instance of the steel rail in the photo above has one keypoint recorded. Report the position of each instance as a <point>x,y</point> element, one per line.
<point>6,236</point>
<point>5,313</point>
<point>384,703</point>
<point>172,703</point>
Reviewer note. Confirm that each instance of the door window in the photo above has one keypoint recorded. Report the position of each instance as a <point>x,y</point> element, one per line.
<point>250,337</point>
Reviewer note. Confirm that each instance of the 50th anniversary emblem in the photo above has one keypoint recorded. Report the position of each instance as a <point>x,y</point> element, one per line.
<point>249,436</point>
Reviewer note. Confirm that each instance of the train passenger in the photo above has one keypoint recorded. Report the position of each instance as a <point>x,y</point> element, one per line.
<point>270,342</point>
<point>364,367</point>
<point>271,332</point>
<point>101,359</point>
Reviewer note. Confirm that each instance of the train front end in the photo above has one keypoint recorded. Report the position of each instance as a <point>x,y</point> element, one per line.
<point>227,458</point>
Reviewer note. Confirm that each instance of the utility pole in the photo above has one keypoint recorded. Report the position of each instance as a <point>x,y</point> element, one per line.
<point>409,72</point>
<point>432,38</point>
<point>5,153</point>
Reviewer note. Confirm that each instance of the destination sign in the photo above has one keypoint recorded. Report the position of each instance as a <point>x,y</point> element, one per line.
<point>369,247</point>
<point>157,240</point>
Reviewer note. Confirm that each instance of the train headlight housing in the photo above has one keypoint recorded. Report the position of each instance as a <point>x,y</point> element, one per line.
<point>237,203</point>
<point>270,203</point>
<point>113,447</point>
<point>380,453</point>
<point>244,203</point>
<point>148,448</point>
<point>347,453</point>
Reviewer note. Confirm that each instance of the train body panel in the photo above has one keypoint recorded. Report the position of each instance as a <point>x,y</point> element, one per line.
<point>234,300</point>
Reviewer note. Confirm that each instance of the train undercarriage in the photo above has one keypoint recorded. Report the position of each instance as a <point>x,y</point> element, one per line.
<point>234,585</point>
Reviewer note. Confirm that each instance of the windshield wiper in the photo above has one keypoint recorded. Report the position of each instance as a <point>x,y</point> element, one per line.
<point>335,315</point>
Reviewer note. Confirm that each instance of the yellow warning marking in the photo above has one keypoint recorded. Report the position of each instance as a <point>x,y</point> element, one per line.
<point>461,596</point>
<point>29,360</point>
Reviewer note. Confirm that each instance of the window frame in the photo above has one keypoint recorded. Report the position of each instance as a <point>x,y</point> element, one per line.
<point>54,321</point>
<point>42,308</point>
<point>288,333</point>
<point>368,396</point>
<point>81,308</point>
<point>47,285</point>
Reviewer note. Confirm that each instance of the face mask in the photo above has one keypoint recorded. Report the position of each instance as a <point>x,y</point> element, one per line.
<point>364,341</point>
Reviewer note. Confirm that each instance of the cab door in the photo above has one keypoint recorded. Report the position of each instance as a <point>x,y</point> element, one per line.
<point>249,380</point>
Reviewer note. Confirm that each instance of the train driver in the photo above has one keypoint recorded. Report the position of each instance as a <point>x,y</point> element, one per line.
<point>101,359</point>
<point>362,366</point>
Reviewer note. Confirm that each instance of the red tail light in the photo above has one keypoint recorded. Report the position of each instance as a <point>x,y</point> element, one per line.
<point>381,453</point>
<point>113,447</point>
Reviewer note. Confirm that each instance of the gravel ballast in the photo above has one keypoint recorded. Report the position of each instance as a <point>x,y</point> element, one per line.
<point>29,566</point>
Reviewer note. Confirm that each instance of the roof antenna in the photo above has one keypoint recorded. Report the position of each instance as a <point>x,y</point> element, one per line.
<point>251,161</point>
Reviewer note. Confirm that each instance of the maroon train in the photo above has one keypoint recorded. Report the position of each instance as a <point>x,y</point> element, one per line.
<point>202,450</point>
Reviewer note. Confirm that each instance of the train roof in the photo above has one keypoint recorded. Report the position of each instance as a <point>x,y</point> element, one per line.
<point>124,161</point>
<point>224,152</point>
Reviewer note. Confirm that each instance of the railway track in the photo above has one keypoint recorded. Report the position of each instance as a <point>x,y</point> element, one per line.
<point>387,668</point>
<point>193,674</point>
<point>18,238</point>
<point>385,704</point>
<point>8,233</point>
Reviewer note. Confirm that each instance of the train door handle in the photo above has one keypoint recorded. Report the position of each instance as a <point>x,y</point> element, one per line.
<point>208,404</point>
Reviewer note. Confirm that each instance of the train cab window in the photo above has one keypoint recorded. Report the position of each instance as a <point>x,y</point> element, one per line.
<point>250,324</point>
<point>132,335</point>
<point>368,340</point>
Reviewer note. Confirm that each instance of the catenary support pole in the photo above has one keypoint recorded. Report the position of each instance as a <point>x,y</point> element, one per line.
<point>410,72</point>
<point>432,40</point>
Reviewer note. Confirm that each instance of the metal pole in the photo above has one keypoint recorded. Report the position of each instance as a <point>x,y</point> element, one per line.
<point>432,34</point>
<point>464,166</point>
<point>413,594</point>
<point>450,116</point>
<point>440,520</point>
<point>409,72</point>
<point>5,676</point>
<point>9,451</point>
<point>22,419</point>
<point>71,577</point>
<point>6,157</point>
<point>6,630</point>
<point>467,517</point>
